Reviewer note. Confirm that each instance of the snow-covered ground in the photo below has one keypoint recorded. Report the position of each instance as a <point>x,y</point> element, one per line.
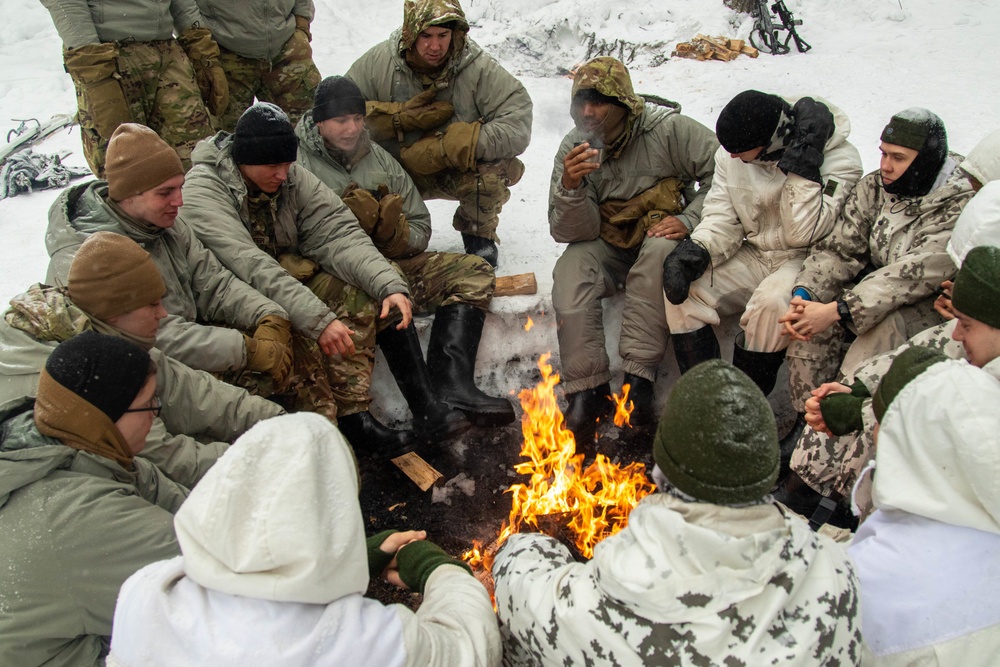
<point>870,57</point>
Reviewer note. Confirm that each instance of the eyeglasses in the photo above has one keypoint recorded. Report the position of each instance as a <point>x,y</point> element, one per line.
<point>154,406</point>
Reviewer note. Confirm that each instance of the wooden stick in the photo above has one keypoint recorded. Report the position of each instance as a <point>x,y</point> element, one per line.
<point>419,471</point>
<point>522,283</point>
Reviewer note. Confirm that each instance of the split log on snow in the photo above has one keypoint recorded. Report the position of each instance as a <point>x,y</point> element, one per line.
<point>522,283</point>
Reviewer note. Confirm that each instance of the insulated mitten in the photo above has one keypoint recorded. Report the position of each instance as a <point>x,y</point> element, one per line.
<point>203,52</point>
<point>270,349</point>
<point>388,120</point>
<point>685,264</point>
<point>813,128</point>
<point>299,267</point>
<point>302,25</point>
<point>363,205</point>
<point>94,69</point>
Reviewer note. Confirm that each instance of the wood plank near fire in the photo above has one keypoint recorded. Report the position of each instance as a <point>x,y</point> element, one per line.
<point>418,470</point>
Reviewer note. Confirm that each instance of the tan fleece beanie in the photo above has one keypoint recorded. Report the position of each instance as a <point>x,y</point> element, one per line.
<point>138,160</point>
<point>111,275</point>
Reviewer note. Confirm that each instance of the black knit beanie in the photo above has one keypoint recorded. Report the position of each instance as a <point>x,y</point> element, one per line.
<point>910,363</point>
<point>922,131</point>
<point>717,440</point>
<point>264,135</point>
<point>977,286</point>
<point>337,96</point>
<point>749,121</point>
<point>106,371</point>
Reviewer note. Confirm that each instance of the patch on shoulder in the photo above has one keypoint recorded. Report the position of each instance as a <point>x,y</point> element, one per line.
<point>831,188</point>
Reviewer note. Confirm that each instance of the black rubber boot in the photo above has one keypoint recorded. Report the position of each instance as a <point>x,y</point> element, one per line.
<point>451,358</point>
<point>433,421</point>
<point>695,347</point>
<point>481,247</point>
<point>368,436</point>
<point>816,508</point>
<point>761,367</point>
<point>586,408</point>
<point>641,394</point>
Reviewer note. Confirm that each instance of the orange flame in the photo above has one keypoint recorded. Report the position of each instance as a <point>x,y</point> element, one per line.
<point>595,501</point>
<point>527,325</point>
<point>622,411</point>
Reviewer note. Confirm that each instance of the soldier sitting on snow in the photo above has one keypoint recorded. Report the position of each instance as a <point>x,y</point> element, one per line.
<point>450,113</point>
<point>621,210</point>
<point>335,146</point>
<point>875,274</point>
<point>709,570</point>
<point>782,175</point>
<point>277,227</point>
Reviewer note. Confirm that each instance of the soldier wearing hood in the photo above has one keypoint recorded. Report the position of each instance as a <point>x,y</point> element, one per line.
<point>622,194</point>
<point>875,275</point>
<point>449,112</point>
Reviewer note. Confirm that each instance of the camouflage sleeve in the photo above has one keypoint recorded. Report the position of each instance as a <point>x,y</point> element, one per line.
<point>908,280</point>
<point>837,258</point>
<point>220,295</point>
<point>689,152</point>
<point>414,208</point>
<point>506,109</point>
<point>330,235</point>
<point>720,231</point>
<point>573,214</point>
<point>808,209</point>
<point>73,22</point>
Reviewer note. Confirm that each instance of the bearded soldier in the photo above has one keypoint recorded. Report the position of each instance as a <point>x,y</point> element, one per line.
<point>335,146</point>
<point>621,209</point>
<point>127,66</point>
<point>449,112</point>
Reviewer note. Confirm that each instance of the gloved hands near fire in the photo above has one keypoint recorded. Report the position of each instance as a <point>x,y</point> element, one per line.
<point>389,120</point>
<point>685,264</point>
<point>270,349</point>
<point>813,127</point>
<point>405,559</point>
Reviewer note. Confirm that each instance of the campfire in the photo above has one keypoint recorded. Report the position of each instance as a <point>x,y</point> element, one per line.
<point>562,499</point>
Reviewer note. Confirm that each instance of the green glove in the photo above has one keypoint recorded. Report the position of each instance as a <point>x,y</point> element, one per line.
<point>417,560</point>
<point>842,412</point>
<point>378,560</point>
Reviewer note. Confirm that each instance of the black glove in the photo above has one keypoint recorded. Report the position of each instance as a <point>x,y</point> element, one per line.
<point>813,127</point>
<point>683,266</point>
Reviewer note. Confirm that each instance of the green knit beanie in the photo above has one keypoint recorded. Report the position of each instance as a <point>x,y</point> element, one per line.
<point>907,129</point>
<point>717,440</point>
<point>908,365</point>
<point>977,286</point>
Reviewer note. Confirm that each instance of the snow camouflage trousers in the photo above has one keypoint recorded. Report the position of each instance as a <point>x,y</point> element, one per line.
<point>832,464</point>
<point>439,279</point>
<point>289,82</point>
<point>158,82</point>
<point>480,194</point>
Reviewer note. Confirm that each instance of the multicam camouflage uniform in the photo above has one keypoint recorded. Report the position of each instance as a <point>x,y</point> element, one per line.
<point>685,583</point>
<point>194,404</point>
<point>900,247</point>
<point>265,52</point>
<point>480,90</point>
<point>302,248</point>
<point>658,143</point>
<point>436,278</point>
<point>153,71</point>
